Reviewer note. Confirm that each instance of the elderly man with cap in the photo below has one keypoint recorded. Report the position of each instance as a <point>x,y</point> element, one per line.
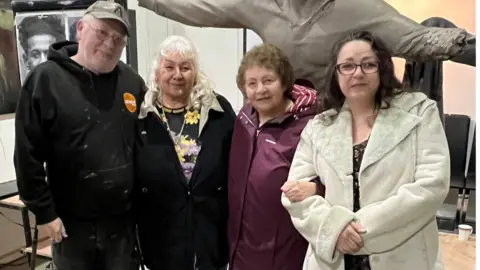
<point>74,141</point>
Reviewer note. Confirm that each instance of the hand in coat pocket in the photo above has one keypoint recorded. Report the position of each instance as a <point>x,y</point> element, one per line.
<point>297,191</point>
<point>54,229</point>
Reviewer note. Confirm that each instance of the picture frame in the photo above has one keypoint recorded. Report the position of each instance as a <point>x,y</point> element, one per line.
<point>9,75</point>
<point>35,32</point>
<point>52,5</point>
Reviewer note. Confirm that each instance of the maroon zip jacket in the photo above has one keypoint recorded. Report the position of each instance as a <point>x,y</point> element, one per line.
<point>261,234</point>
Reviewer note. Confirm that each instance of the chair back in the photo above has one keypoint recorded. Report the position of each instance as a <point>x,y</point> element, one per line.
<point>457,130</point>
<point>471,163</point>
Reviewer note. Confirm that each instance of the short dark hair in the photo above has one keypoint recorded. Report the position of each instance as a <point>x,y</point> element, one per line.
<point>270,57</point>
<point>42,24</point>
<point>331,97</point>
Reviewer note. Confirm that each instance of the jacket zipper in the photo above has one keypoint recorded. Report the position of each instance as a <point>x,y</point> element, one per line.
<point>257,129</point>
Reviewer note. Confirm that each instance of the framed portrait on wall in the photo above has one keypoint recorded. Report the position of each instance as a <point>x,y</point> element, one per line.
<point>49,5</point>
<point>9,75</point>
<point>72,19</point>
<point>36,31</point>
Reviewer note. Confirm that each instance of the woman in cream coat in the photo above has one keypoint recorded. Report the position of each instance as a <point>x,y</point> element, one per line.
<point>383,157</point>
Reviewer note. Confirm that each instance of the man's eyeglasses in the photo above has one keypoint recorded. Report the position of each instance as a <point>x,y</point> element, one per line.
<point>350,68</point>
<point>103,35</point>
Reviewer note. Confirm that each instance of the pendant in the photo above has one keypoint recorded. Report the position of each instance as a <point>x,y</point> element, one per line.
<point>176,138</point>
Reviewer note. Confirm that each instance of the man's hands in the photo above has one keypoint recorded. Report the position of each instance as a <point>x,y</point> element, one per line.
<point>349,241</point>
<point>297,191</point>
<point>55,230</point>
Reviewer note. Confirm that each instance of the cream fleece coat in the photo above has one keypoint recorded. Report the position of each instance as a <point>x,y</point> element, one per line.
<point>404,178</point>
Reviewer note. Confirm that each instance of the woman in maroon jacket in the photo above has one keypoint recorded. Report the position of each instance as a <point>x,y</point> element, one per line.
<point>266,134</point>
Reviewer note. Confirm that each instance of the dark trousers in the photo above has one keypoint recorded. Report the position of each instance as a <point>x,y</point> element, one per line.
<point>102,244</point>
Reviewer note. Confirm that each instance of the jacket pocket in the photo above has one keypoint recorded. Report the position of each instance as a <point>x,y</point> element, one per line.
<point>412,252</point>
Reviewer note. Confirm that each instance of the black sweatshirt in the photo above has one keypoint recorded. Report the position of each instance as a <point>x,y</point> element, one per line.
<point>78,124</point>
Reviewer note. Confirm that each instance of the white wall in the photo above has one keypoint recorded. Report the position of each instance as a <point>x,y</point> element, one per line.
<point>220,59</point>
<point>220,50</point>
<point>252,39</point>
<point>7,135</point>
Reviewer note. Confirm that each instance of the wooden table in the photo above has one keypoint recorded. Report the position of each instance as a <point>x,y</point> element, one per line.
<point>8,189</point>
<point>44,248</point>
<point>457,255</point>
<point>42,245</point>
<point>14,202</point>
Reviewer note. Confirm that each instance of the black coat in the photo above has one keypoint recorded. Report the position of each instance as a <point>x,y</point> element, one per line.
<point>78,124</point>
<point>181,225</point>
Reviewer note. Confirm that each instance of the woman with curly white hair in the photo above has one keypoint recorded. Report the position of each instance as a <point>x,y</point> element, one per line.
<point>184,136</point>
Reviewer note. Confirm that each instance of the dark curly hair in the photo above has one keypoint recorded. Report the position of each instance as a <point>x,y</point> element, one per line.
<point>331,97</point>
<point>36,25</point>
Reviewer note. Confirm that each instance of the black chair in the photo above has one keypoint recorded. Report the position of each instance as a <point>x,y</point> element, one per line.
<point>470,217</point>
<point>448,215</point>
<point>457,130</point>
<point>470,181</point>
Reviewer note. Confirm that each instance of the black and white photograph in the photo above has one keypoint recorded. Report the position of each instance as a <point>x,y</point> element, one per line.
<point>72,18</point>
<point>9,77</point>
<point>35,33</point>
<point>72,28</point>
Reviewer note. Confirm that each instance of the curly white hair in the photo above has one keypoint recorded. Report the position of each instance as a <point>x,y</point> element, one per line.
<point>203,88</point>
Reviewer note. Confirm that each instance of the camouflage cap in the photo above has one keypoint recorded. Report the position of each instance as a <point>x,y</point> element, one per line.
<point>109,10</point>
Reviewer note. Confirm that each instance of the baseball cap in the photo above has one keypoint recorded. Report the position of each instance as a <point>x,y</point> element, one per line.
<point>109,10</point>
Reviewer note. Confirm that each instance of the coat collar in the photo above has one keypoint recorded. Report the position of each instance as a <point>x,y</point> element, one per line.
<point>391,126</point>
<point>204,112</point>
<point>151,99</point>
<point>304,104</point>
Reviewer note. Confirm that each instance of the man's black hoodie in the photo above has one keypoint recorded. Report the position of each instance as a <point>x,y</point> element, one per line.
<point>74,136</point>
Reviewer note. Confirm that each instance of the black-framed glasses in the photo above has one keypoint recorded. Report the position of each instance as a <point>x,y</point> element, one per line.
<point>103,35</point>
<point>350,68</point>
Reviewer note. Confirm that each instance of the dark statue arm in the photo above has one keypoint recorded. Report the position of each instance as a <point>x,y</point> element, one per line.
<point>468,56</point>
<point>413,41</point>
